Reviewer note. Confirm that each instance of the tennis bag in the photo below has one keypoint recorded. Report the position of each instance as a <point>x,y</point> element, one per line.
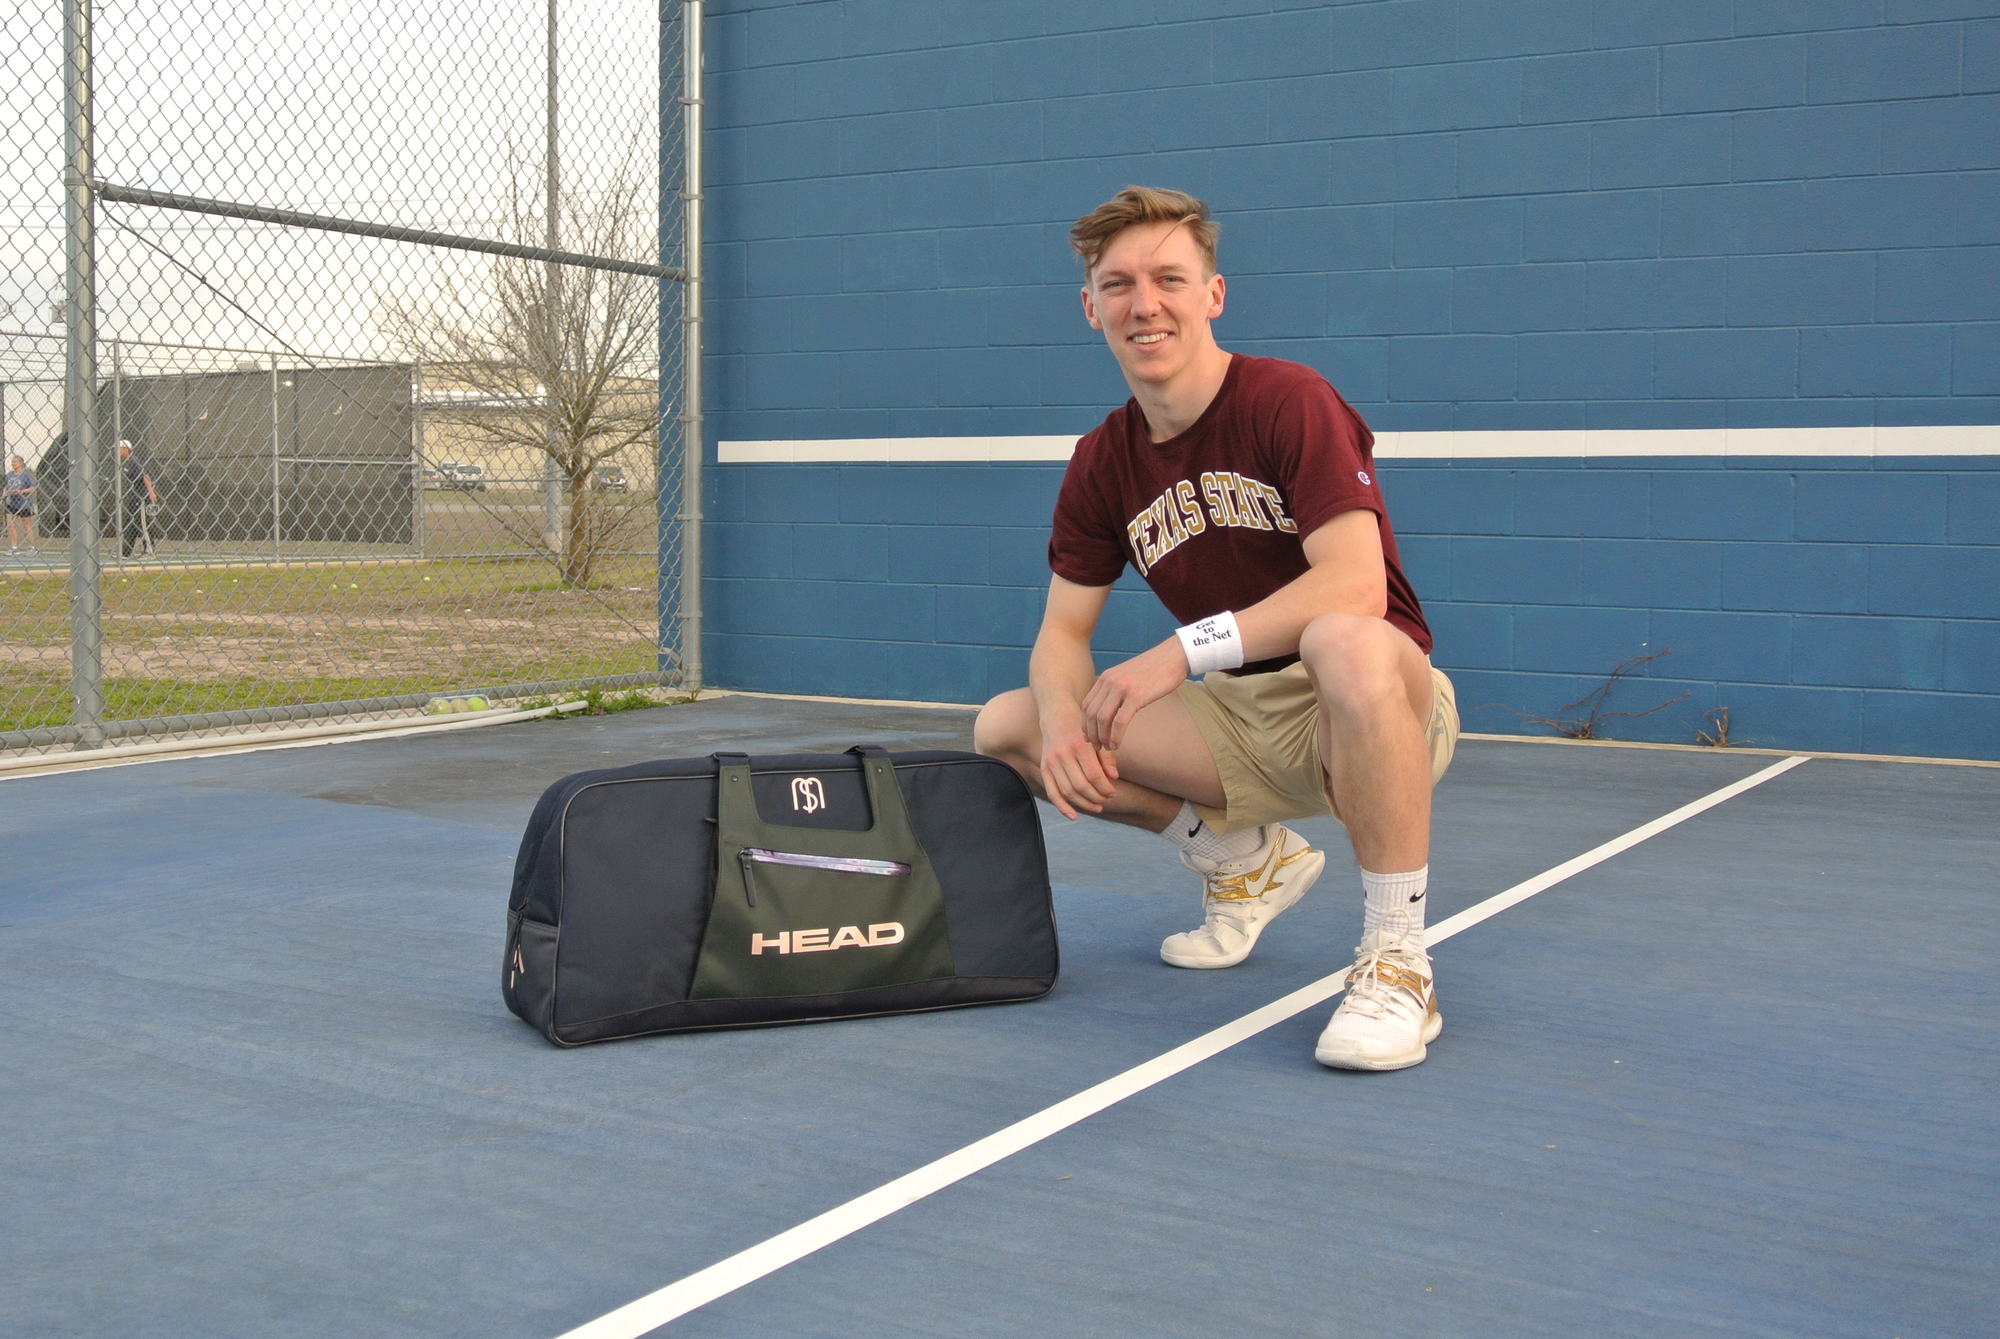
<point>733,891</point>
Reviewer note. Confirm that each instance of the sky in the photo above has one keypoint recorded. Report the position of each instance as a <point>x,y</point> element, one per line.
<point>424,114</point>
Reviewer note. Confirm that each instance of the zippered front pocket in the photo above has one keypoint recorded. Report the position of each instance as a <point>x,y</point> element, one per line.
<point>810,924</point>
<point>839,864</point>
<point>847,864</point>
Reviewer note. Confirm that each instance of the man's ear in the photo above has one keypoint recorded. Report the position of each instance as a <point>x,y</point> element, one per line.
<point>1090,310</point>
<point>1216,290</point>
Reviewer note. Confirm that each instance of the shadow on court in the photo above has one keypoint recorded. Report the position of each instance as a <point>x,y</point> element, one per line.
<point>1740,1079</point>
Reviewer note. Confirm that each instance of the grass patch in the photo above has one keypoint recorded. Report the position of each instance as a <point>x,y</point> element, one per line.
<point>558,586</point>
<point>307,588</point>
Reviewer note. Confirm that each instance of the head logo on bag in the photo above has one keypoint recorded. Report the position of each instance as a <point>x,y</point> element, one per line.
<point>807,795</point>
<point>817,941</point>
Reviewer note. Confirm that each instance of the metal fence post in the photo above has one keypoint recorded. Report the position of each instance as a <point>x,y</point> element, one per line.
<point>277,497</point>
<point>80,383</point>
<point>417,457</point>
<point>117,436</point>
<point>691,413</point>
<point>552,526</point>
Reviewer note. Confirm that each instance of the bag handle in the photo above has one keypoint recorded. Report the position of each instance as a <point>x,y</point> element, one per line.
<point>738,758</point>
<point>736,805</point>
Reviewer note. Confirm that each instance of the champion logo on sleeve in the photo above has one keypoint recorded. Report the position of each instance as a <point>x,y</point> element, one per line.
<point>1362,475</point>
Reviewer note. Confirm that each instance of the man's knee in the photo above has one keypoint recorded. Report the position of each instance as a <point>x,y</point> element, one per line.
<point>1356,662</point>
<point>1007,725</point>
<point>1349,644</point>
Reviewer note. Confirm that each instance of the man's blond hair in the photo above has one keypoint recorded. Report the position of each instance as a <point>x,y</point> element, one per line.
<point>1142,204</point>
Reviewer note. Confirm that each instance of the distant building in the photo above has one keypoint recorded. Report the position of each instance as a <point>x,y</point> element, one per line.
<point>464,420</point>
<point>294,454</point>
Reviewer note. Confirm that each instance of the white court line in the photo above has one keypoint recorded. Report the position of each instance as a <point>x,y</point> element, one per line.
<point>725,1276</point>
<point>263,741</point>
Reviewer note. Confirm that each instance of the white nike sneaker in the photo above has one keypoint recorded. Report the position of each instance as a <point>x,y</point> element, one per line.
<point>1389,1015</point>
<point>1242,896</point>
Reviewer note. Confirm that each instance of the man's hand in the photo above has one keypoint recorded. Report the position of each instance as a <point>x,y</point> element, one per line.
<point>1126,689</point>
<point>1076,774</point>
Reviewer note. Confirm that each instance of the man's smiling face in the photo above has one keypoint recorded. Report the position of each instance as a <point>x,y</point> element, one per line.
<point>1152,295</point>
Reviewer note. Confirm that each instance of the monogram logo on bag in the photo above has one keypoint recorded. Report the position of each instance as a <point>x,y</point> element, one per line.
<point>816,941</point>
<point>807,796</point>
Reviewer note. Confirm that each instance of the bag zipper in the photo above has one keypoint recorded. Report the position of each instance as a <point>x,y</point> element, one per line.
<point>841,864</point>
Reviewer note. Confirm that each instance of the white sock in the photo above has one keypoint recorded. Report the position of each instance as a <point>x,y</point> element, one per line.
<point>1393,904</point>
<point>1188,832</point>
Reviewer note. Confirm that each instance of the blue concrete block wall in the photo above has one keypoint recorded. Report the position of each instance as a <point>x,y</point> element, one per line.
<point>1822,607</point>
<point>1471,215</point>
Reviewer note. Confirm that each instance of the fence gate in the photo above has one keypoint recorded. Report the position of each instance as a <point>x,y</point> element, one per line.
<point>344,361</point>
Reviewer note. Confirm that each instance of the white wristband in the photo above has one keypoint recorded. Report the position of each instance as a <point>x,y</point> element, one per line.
<point>1212,643</point>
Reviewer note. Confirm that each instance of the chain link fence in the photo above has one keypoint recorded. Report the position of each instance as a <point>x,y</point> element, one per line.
<point>343,360</point>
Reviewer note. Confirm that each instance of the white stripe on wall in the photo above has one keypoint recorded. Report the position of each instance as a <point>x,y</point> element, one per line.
<point>1970,440</point>
<point>977,449</point>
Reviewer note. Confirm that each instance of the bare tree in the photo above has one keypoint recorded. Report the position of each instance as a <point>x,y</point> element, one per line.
<point>554,361</point>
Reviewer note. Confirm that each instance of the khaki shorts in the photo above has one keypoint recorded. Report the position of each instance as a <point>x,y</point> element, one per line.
<point>1262,730</point>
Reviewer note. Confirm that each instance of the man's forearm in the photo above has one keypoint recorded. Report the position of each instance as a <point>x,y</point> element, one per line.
<point>1060,673</point>
<point>1272,627</point>
<point>1347,576</point>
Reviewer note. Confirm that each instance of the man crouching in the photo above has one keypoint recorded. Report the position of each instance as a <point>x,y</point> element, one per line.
<point>1242,490</point>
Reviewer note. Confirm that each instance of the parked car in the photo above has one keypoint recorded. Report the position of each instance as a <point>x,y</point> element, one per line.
<point>465,477</point>
<point>609,479</point>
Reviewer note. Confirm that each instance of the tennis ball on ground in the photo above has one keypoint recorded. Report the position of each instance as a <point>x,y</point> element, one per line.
<point>475,703</point>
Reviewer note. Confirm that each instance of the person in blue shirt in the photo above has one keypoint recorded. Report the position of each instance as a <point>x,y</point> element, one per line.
<point>20,494</point>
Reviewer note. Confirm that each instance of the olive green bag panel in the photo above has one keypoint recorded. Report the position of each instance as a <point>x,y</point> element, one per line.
<point>819,911</point>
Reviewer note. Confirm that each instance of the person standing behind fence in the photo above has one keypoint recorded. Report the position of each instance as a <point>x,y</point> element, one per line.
<point>20,492</point>
<point>138,494</point>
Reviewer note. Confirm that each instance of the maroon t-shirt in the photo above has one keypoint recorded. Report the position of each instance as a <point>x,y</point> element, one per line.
<point>1214,519</point>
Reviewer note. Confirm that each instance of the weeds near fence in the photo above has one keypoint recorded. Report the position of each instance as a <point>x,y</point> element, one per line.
<point>597,702</point>
<point>1585,717</point>
<point>1718,720</point>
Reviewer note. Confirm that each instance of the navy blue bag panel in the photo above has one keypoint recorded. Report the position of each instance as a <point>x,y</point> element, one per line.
<point>990,936</point>
<point>652,837</point>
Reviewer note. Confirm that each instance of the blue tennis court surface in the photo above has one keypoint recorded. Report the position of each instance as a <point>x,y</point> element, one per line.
<point>1738,1080</point>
